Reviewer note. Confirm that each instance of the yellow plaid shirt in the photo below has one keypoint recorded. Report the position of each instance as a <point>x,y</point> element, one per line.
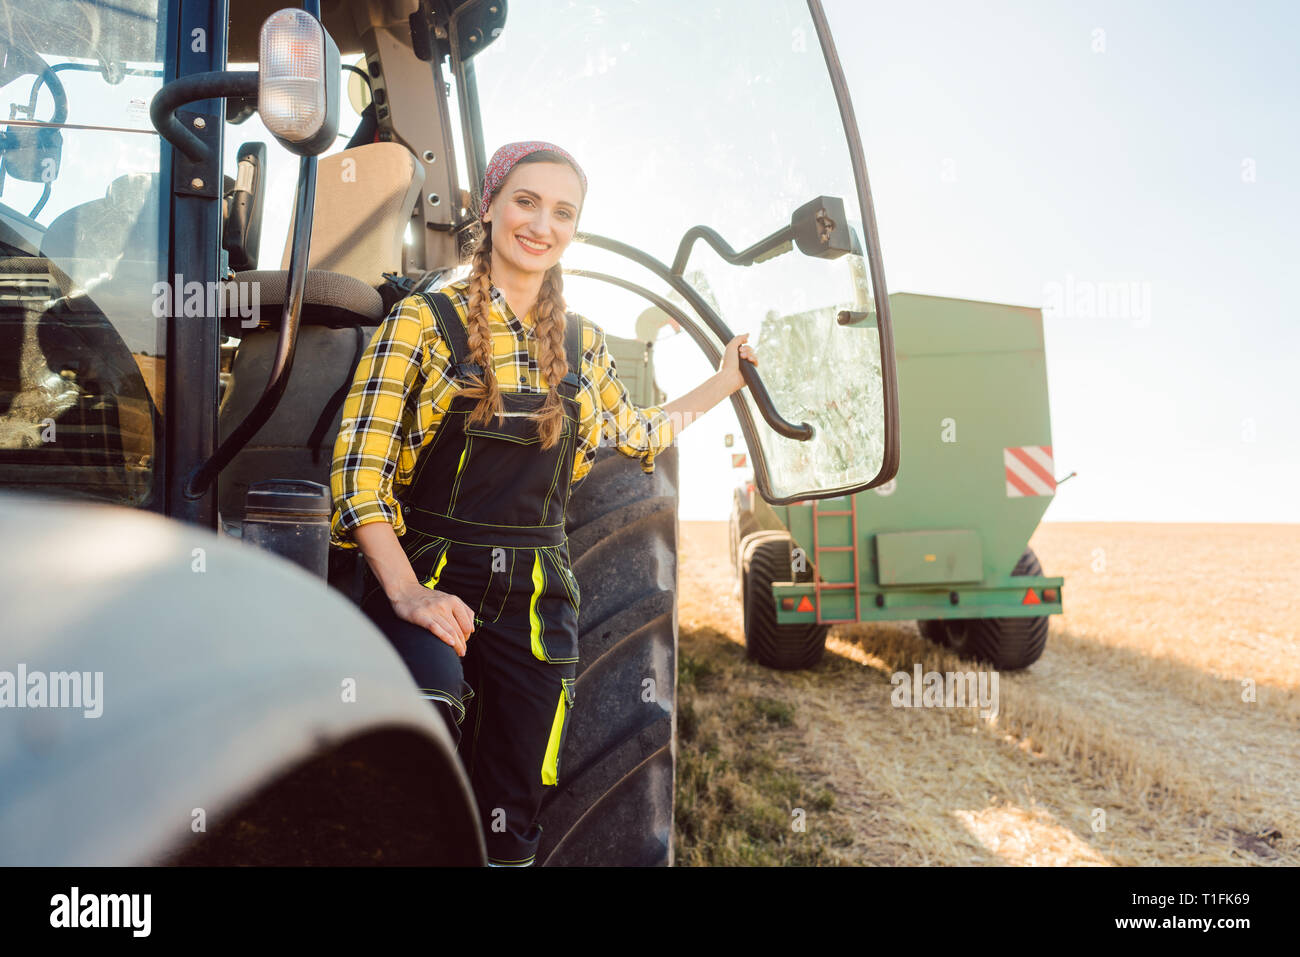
<point>401,391</point>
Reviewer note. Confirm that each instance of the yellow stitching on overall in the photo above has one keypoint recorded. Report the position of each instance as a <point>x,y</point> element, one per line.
<point>460,470</point>
<point>437,572</point>
<point>566,577</point>
<point>451,699</point>
<point>559,469</point>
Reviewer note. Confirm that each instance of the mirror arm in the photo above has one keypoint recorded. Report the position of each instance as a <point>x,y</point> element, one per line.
<point>186,89</point>
<point>285,346</point>
<point>801,432</point>
<point>746,257</point>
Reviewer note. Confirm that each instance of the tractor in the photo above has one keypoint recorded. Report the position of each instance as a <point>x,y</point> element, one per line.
<point>207,208</point>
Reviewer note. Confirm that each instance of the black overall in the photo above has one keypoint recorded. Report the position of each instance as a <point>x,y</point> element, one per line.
<point>485,521</point>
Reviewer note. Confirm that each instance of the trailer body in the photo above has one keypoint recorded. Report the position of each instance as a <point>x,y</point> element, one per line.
<point>941,541</point>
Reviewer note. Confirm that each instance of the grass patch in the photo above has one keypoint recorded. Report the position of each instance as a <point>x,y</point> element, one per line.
<point>770,710</point>
<point>694,670</point>
<point>744,796</point>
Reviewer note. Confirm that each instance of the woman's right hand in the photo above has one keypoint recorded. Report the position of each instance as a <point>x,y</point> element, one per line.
<point>440,612</point>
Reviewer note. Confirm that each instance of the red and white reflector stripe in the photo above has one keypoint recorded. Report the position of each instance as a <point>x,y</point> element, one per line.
<point>1029,470</point>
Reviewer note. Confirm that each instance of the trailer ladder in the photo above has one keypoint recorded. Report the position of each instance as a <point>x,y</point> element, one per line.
<point>818,584</point>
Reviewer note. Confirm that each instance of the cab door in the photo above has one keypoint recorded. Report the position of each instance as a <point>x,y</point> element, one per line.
<point>84,221</point>
<point>728,188</point>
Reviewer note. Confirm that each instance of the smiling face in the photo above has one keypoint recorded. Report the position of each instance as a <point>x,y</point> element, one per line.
<point>534,215</point>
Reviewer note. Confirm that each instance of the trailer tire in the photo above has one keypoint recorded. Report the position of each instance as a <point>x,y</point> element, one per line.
<point>1009,644</point>
<point>933,630</point>
<point>765,558</point>
<point>613,803</point>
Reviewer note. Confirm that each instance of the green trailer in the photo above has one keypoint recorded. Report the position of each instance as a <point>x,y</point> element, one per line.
<point>945,542</point>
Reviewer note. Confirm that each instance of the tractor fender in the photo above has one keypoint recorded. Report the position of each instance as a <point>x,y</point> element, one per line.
<point>223,672</point>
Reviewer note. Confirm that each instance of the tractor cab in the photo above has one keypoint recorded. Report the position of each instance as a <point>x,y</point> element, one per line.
<point>727,193</point>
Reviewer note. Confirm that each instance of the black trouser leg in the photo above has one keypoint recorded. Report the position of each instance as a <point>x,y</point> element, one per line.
<point>519,717</point>
<point>507,709</point>
<point>434,664</point>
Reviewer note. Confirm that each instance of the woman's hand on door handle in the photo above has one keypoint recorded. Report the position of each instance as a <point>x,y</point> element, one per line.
<point>738,349</point>
<point>686,409</point>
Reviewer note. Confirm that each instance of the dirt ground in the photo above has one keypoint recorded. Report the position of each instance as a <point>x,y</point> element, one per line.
<point>1161,725</point>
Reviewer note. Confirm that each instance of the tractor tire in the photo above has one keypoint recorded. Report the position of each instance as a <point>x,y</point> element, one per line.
<point>742,524</point>
<point>613,804</point>
<point>765,558</point>
<point>1009,644</point>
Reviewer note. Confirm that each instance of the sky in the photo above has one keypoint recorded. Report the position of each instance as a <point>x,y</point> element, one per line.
<point>1036,153</point>
<point>1025,153</point>
<point>1013,146</point>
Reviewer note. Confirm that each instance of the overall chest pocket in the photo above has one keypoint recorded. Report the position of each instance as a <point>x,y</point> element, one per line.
<point>516,428</point>
<point>504,477</point>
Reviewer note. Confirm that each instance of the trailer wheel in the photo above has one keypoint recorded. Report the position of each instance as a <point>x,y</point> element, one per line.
<point>933,630</point>
<point>765,558</point>
<point>613,804</point>
<point>1009,644</point>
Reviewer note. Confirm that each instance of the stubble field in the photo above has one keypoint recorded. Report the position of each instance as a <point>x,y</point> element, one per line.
<point>1161,725</point>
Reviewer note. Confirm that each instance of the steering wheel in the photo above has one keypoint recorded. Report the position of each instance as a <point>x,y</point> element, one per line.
<point>42,140</point>
<point>29,63</point>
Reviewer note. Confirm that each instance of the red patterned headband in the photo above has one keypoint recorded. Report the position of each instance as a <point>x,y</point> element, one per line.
<point>504,160</point>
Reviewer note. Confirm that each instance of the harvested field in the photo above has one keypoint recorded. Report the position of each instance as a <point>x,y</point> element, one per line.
<point>1132,741</point>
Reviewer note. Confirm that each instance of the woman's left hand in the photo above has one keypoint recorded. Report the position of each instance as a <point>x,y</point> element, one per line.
<point>737,349</point>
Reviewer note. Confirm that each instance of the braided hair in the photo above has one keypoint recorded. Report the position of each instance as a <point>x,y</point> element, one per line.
<point>549,330</point>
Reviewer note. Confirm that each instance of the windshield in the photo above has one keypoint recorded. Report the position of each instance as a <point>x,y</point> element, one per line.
<point>719,114</point>
<point>81,350</point>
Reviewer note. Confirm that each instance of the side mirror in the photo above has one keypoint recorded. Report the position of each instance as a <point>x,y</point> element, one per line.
<point>821,228</point>
<point>31,153</point>
<point>298,82</point>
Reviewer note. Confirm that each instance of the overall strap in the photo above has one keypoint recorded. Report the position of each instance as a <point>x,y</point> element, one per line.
<point>570,384</point>
<point>453,333</point>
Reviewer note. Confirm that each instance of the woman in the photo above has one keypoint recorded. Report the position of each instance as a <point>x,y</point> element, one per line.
<point>464,431</point>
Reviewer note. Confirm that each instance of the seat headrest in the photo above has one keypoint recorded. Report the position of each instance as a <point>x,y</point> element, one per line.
<point>92,238</point>
<point>364,199</point>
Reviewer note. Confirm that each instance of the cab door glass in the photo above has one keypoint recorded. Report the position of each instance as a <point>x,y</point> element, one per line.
<point>718,114</point>
<point>81,249</point>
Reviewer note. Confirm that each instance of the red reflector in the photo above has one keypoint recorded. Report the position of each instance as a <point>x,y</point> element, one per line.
<point>1049,594</point>
<point>804,604</point>
<point>1031,598</point>
<point>787,604</point>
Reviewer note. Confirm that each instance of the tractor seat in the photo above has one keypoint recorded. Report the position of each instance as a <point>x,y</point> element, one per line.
<point>329,299</point>
<point>364,200</point>
<point>101,238</point>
